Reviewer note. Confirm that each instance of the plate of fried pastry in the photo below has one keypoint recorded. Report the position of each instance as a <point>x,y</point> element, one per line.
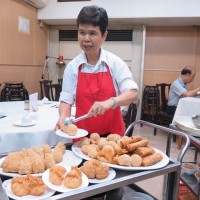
<point>36,160</point>
<point>97,172</point>
<point>71,132</point>
<point>27,188</point>
<point>123,153</point>
<point>65,178</point>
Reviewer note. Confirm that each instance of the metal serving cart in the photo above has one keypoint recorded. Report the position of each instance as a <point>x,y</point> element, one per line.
<point>171,171</point>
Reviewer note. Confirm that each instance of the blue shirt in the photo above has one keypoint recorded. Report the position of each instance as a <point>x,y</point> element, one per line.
<point>177,88</point>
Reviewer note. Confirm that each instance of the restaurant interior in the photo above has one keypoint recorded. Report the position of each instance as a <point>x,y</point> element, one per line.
<point>156,39</point>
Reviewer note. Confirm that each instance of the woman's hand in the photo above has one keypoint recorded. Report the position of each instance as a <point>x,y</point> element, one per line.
<point>100,107</point>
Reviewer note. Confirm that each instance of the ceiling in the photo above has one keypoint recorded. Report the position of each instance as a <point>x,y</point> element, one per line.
<point>181,21</point>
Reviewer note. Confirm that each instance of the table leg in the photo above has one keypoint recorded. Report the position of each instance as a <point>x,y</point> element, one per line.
<point>180,140</point>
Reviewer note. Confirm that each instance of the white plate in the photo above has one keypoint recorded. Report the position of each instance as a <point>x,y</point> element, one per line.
<point>62,188</point>
<point>77,150</point>
<point>19,123</point>
<point>185,123</point>
<point>7,186</point>
<point>69,159</point>
<point>136,196</point>
<point>80,133</point>
<point>111,176</point>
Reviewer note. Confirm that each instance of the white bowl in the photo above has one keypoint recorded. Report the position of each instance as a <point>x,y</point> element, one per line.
<point>189,168</point>
<point>26,120</point>
<point>196,120</point>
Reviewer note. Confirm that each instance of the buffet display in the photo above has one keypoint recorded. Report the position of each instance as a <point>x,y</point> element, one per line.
<point>47,170</point>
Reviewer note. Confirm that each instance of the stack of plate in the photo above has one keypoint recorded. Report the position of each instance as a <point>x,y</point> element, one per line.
<point>185,123</point>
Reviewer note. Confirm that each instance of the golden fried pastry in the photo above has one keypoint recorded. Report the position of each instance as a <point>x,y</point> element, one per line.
<point>85,148</point>
<point>94,138</point>
<point>133,146</point>
<point>57,155</point>
<point>72,129</point>
<point>12,162</point>
<point>124,160</point>
<point>92,152</point>
<point>119,150</point>
<point>102,171</point>
<point>38,164</point>
<point>56,175</point>
<point>64,128</point>
<point>129,140</point>
<point>108,152</point>
<point>112,143</point>
<point>49,160</point>
<point>38,151</point>
<point>36,185</point>
<point>19,186</point>
<point>88,169</point>
<point>113,137</point>
<point>84,141</point>
<point>74,178</point>
<point>144,151</point>
<point>151,159</point>
<point>136,160</point>
<point>116,160</point>
<point>25,166</point>
<point>102,142</point>
<point>46,149</point>
<point>61,146</point>
<point>22,186</point>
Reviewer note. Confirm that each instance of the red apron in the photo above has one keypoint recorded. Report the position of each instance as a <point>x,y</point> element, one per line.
<point>97,87</point>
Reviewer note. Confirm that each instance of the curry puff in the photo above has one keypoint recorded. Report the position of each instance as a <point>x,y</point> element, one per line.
<point>27,185</point>
<point>95,169</point>
<point>73,179</point>
<point>56,175</point>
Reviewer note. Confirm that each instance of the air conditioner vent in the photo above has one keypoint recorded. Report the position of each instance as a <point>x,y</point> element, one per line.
<point>37,3</point>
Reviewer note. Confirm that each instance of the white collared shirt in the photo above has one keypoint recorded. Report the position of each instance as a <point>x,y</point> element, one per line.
<point>121,75</point>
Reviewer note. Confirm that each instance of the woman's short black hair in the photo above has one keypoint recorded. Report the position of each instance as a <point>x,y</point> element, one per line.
<point>95,16</point>
<point>186,71</point>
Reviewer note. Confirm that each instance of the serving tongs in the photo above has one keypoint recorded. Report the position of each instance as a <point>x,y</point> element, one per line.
<point>69,121</point>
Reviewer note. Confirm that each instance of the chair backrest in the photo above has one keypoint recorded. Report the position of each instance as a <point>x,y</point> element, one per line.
<point>52,91</point>
<point>130,116</point>
<point>14,92</point>
<point>164,94</point>
<point>60,80</point>
<point>42,84</point>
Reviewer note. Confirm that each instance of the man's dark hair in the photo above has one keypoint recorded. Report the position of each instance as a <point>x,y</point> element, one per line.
<point>95,16</point>
<point>186,71</point>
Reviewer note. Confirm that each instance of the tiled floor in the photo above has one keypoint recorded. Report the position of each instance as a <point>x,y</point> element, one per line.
<point>155,185</point>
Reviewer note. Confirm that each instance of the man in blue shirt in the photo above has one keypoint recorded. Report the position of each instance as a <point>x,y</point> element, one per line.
<point>179,88</point>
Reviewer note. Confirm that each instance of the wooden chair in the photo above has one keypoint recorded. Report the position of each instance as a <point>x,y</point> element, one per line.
<point>162,117</point>
<point>52,91</point>
<point>42,84</point>
<point>14,92</point>
<point>130,116</point>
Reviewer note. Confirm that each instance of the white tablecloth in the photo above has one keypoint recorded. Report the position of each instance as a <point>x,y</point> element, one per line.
<point>14,138</point>
<point>187,106</point>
